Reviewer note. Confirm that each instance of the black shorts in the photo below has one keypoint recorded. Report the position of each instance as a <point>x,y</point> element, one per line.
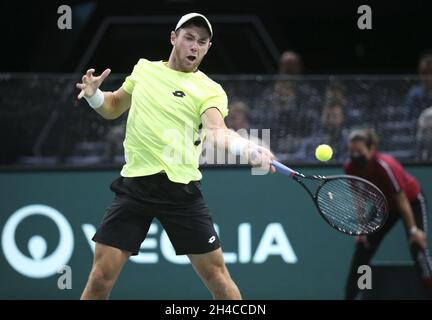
<point>179,207</point>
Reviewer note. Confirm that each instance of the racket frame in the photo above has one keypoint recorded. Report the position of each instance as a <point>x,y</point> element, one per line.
<point>297,176</point>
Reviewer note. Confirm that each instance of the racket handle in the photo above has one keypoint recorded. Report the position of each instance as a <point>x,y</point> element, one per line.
<point>282,169</point>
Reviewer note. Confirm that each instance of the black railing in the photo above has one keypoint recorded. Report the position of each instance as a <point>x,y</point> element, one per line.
<point>43,124</point>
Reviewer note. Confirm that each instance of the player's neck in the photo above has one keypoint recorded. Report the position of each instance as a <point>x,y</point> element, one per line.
<point>174,64</point>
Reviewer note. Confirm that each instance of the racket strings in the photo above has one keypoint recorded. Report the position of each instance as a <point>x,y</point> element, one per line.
<point>351,205</point>
<point>362,218</point>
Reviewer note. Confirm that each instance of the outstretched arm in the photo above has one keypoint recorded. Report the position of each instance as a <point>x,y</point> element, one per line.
<point>224,138</point>
<point>416,234</point>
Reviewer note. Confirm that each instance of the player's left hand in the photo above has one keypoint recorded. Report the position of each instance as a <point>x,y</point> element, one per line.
<point>91,83</point>
<point>419,238</point>
<point>260,157</point>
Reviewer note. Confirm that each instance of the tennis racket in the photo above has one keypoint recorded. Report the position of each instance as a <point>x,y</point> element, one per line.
<point>349,204</point>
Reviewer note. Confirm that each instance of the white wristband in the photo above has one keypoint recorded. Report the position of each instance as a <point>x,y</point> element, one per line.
<point>237,146</point>
<point>413,230</point>
<point>96,100</point>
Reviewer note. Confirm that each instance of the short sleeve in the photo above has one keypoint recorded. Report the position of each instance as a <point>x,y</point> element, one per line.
<point>218,100</point>
<point>129,83</point>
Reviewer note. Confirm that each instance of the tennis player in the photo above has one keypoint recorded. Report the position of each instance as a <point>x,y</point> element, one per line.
<point>168,102</point>
<point>405,198</point>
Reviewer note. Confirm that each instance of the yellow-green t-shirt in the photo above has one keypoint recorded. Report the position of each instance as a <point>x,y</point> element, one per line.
<point>164,120</point>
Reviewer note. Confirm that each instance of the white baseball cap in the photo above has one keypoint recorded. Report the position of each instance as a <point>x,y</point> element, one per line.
<point>190,16</point>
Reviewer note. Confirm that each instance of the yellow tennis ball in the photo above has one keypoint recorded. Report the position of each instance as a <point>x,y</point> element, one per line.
<point>323,152</point>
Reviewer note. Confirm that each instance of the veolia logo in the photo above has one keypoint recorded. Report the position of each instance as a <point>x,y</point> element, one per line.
<point>272,242</point>
<point>37,266</point>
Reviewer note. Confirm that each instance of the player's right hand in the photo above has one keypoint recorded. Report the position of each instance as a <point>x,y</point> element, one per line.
<point>90,83</point>
<point>260,157</point>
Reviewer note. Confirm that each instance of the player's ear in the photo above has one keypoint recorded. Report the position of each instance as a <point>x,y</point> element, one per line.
<point>208,48</point>
<point>173,37</point>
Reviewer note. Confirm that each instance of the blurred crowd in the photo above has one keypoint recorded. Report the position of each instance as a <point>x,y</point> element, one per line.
<point>301,116</point>
<point>300,111</point>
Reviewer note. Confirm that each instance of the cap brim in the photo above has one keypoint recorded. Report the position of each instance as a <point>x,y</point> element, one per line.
<point>191,16</point>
